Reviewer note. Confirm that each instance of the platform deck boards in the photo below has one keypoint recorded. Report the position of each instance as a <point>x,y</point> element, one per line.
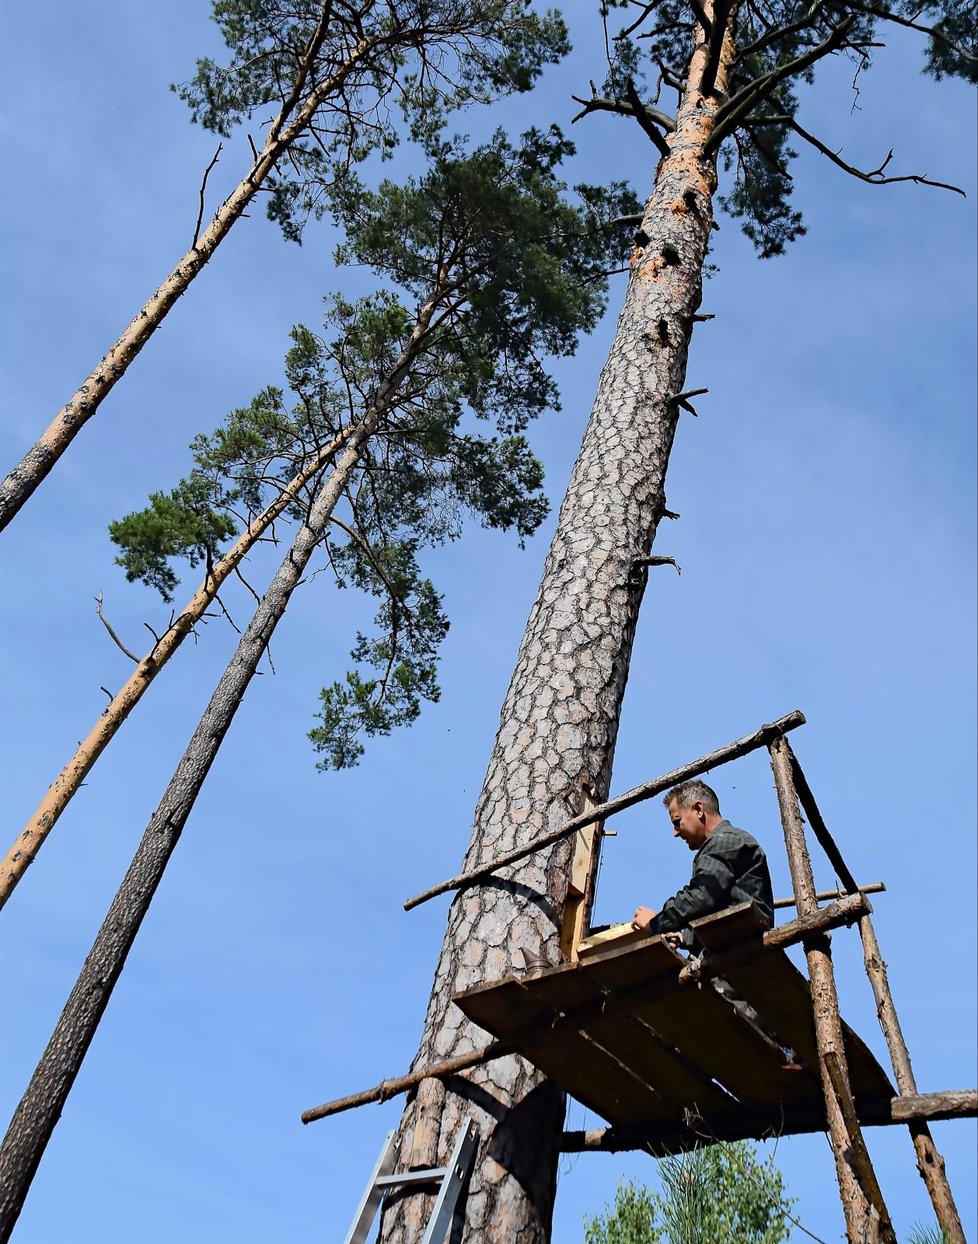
<point>619,1033</point>
<point>775,988</point>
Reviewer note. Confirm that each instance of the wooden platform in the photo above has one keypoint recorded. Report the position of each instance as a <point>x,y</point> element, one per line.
<point>618,1032</point>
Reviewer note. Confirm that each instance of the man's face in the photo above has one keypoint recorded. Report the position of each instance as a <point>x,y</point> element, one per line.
<point>688,823</point>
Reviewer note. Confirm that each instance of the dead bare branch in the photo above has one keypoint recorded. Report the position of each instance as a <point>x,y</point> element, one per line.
<point>203,187</point>
<point>625,108</point>
<point>223,608</point>
<point>646,123</point>
<point>873,177</point>
<point>115,638</point>
<point>237,571</point>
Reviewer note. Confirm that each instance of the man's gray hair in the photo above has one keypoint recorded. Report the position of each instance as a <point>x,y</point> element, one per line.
<point>686,794</point>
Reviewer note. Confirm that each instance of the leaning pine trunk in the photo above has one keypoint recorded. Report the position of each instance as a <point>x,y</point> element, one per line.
<point>40,1108</point>
<point>37,463</point>
<point>560,718</point>
<point>69,781</point>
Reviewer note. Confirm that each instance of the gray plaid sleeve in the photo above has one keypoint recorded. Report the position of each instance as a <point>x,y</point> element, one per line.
<point>709,887</point>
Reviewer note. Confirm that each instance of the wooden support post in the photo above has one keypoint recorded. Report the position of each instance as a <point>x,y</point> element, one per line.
<point>930,1163</point>
<point>733,751</point>
<point>857,1201</point>
<point>583,877</point>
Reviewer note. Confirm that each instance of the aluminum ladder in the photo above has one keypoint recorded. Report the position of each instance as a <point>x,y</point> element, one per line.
<point>451,1178</point>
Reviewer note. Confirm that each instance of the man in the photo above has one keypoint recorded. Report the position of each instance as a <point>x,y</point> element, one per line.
<point>729,867</point>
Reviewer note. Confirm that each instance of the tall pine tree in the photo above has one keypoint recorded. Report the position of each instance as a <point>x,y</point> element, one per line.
<point>735,67</point>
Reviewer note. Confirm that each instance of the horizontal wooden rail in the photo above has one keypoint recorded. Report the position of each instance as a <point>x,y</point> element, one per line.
<point>759,1123</point>
<point>400,1084</point>
<point>875,887</point>
<point>648,790</point>
<point>845,911</point>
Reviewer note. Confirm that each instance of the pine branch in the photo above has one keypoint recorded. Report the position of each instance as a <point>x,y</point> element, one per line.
<point>933,31</point>
<point>624,108</point>
<point>769,155</point>
<point>227,615</point>
<point>780,33</point>
<point>115,638</point>
<point>682,399</point>
<point>203,187</point>
<point>649,8</point>
<point>642,117</point>
<point>735,110</point>
<point>700,15</point>
<point>874,177</point>
<point>721,12</point>
<point>305,72</point>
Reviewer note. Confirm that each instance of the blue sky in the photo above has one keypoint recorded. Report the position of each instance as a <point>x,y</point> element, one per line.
<point>827,494</point>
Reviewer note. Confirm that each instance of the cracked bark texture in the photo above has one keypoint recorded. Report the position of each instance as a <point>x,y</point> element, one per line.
<point>560,718</point>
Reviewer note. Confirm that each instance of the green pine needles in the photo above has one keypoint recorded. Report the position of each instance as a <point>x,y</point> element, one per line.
<point>360,77</point>
<point>778,46</point>
<point>499,269</point>
<point>720,1194</point>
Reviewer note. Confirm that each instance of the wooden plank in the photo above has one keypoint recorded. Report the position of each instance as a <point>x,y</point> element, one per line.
<point>712,1034</point>
<point>707,1030</point>
<point>573,1059</point>
<point>780,994</point>
<point>649,965</point>
<point>503,1008</point>
<point>611,938</point>
<point>580,884</point>
<point>629,1040</point>
<point>730,927</point>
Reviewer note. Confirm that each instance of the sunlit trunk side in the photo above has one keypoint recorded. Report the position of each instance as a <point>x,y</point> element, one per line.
<point>560,717</point>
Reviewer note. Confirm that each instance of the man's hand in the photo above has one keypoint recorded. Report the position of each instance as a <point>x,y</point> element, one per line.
<point>642,918</point>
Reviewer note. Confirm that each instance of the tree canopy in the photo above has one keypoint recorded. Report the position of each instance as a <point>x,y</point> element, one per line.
<point>510,270</point>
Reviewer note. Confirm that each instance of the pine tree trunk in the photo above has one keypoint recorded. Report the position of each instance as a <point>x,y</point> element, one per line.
<point>66,785</point>
<point>21,483</point>
<point>560,717</point>
<point>37,1114</point>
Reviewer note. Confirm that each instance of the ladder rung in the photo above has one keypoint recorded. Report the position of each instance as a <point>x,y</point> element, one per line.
<point>434,1175</point>
<point>451,1178</point>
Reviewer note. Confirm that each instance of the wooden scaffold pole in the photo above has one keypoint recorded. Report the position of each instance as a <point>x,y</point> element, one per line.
<point>930,1163</point>
<point>866,1215</point>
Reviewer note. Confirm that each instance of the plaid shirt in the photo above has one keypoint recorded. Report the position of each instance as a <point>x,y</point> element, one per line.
<point>729,868</point>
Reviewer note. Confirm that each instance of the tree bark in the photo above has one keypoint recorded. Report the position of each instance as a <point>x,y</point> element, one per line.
<point>560,717</point>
